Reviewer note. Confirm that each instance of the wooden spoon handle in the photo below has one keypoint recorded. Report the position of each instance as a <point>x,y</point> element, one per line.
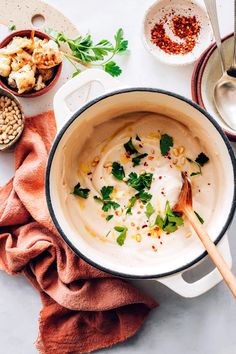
<point>212,250</point>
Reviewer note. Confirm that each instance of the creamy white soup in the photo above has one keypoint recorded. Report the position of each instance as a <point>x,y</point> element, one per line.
<point>128,178</point>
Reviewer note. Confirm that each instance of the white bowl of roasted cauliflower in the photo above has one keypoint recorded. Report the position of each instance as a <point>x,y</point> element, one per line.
<point>30,63</point>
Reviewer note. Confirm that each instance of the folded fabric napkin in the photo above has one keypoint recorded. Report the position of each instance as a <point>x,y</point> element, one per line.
<point>84,309</point>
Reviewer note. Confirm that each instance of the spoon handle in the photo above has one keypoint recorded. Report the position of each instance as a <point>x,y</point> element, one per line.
<point>212,250</point>
<point>212,13</point>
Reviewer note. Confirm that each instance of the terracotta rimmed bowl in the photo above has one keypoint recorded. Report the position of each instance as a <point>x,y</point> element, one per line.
<point>206,73</point>
<point>51,83</point>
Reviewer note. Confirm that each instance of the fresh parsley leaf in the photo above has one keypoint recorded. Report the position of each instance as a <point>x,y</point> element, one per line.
<point>202,159</point>
<point>81,192</point>
<point>132,201</point>
<point>159,221</point>
<point>195,173</point>
<point>112,68</point>
<point>171,222</point>
<point>140,182</point>
<point>85,51</point>
<point>106,199</point>
<point>106,191</point>
<point>121,44</point>
<point>109,217</point>
<point>144,196</point>
<point>166,142</point>
<point>138,138</point>
<point>136,160</point>
<point>12,27</point>
<point>170,227</point>
<point>118,171</point>
<point>149,210</point>
<point>199,217</point>
<point>123,233</point>
<point>129,147</point>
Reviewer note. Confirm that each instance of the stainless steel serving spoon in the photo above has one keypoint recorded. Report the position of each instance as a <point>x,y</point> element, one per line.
<point>225,88</point>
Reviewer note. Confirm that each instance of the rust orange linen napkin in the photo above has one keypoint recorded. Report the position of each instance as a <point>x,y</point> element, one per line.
<point>84,309</point>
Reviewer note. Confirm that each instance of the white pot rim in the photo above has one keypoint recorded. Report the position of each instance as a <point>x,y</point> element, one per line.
<point>57,140</point>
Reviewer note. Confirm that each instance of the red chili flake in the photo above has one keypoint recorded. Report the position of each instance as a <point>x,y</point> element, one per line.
<point>149,234</point>
<point>89,173</point>
<point>132,224</point>
<point>159,236</point>
<point>161,242</point>
<point>140,145</point>
<point>144,226</point>
<point>154,248</point>
<point>208,184</point>
<point>186,28</point>
<point>167,233</point>
<point>171,166</point>
<point>145,163</point>
<point>116,212</point>
<point>160,177</point>
<point>199,190</point>
<point>150,157</point>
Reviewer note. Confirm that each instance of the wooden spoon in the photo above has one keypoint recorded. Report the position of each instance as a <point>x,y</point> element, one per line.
<point>184,206</point>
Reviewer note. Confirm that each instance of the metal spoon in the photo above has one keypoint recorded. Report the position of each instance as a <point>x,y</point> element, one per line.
<point>184,206</point>
<point>225,88</point>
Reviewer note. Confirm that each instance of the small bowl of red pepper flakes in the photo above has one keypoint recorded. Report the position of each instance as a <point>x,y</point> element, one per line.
<point>177,31</point>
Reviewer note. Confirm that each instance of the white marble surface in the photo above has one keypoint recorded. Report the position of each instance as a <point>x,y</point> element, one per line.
<point>205,325</point>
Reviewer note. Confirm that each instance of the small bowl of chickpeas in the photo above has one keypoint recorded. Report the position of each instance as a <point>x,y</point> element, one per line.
<point>11,119</point>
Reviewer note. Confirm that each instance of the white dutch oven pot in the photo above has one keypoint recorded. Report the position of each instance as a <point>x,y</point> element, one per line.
<point>71,126</point>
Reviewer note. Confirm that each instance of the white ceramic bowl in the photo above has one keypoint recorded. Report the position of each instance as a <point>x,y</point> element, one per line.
<point>184,253</point>
<point>206,73</point>
<point>183,8</point>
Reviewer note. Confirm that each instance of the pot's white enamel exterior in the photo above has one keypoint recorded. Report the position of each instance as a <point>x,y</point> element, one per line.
<point>118,102</point>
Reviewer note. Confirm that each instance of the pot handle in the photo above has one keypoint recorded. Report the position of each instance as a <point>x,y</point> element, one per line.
<point>61,109</point>
<point>199,287</point>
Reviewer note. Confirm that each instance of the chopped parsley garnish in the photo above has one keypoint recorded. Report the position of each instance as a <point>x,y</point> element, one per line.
<point>200,161</point>
<point>171,222</point>
<point>149,210</point>
<point>199,217</point>
<point>136,160</point>
<point>109,217</point>
<point>108,203</point>
<point>140,182</point>
<point>144,196</point>
<point>129,147</point>
<point>81,192</point>
<point>166,142</point>
<point>118,171</point>
<point>132,201</point>
<point>123,232</point>
<point>138,138</point>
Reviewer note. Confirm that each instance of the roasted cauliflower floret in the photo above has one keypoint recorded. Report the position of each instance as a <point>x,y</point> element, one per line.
<point>5,65</point>
<point>20,59</point>
<point>24,78</point>
<point>47,74</point>
<point>39,83</point>
<point>17,44</point>
<point>46,54</point>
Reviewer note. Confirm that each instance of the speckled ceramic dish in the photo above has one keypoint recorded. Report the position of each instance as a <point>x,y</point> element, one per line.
<point>4,147</point>
<point>206,73</point>
<point>169,8</point>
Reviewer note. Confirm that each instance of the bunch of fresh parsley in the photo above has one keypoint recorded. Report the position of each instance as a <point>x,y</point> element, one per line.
<point>86,52</point>
<point>171,222</point>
